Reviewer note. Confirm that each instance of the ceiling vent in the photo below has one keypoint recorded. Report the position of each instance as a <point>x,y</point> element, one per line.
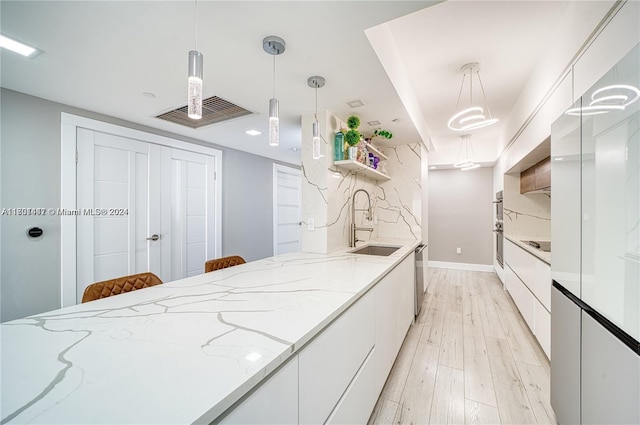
<point>214,110</point>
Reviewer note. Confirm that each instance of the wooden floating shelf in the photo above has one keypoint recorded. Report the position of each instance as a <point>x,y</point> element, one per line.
<point>358,167</point>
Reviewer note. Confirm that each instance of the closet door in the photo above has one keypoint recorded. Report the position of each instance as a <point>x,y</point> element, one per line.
<point>189,198</point>
<point>118,204</point>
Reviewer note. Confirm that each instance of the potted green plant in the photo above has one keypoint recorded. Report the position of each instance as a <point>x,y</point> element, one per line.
<point>378,132</point>
<point>353,136</point>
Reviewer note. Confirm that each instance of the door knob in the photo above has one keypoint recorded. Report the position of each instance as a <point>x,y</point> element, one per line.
<point>153,238</point>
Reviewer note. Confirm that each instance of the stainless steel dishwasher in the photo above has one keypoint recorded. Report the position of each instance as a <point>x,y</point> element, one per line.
<point>419,278</point>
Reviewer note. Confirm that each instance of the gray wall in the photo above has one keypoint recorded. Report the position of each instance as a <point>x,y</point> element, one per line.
<point>461,215</point>
<point>30,177</point>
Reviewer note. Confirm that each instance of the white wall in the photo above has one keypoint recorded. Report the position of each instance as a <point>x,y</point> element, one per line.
<point>30,271</point>
<point>461,215</point>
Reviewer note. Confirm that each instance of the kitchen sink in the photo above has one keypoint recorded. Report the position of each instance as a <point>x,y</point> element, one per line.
<point>381,250</point>
<point>544,246</point>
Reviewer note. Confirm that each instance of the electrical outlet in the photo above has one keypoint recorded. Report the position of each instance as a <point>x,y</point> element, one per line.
<point>458,250</point>
<point>311,224</point>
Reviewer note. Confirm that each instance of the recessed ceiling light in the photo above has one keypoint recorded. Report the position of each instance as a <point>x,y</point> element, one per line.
<point>148,94</point>
<point>558,158</point>
<point>372,123</point>
<point>253,132</point>
<point>18,47</point>
<point>355,103</point>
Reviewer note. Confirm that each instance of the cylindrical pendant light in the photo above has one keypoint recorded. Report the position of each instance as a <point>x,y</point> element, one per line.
<point>194,96</point>
<point>316,82</point>
<point>274,46</point>
<point>316,140</point>
<point>274,122</point>
<point>194,86</point>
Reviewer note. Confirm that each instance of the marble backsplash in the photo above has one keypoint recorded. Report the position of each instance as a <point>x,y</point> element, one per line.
<point>399,204</point>
<point>525,214</point>
<point>327,192</point>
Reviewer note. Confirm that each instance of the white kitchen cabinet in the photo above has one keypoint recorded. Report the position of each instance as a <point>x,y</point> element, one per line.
<point>356,404</point>
<point>535,273</point>
<point>521,295</point>
<point>528,280</point>
<point>331,361</point>
<point>542,323</point>
<point>394,314</point>
<point>273,402</point>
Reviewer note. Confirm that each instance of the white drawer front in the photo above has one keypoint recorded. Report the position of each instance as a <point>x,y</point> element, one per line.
<point>274,402</point>
<point>542,329</point>
<point>358,402</point>
<point>521,295</point>
<point>329,363</point>
<point>535,273</point>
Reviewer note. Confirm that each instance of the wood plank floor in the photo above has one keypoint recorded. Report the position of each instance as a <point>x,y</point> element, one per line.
<point>468,359</point>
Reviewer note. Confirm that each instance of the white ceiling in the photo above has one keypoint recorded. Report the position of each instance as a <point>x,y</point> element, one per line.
<point>101,56</point>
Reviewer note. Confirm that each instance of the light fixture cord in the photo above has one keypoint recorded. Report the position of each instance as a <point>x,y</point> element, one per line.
<point>466,148</point>
<point>473,153</point>
<point>460,150</point>
<point>274,76</point>
<point>195,18</point>
<point>471,87</point>
<point>460,92</point>
<point>316,101</point>
<point>484,96</point>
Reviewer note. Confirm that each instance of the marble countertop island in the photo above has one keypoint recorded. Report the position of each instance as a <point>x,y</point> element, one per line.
<point>181,352</point>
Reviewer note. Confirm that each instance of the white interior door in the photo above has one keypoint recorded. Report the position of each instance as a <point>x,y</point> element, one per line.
<point>149,185</point>
<point>190,199</point>
<point>116,205</point>
<point>286,209</point>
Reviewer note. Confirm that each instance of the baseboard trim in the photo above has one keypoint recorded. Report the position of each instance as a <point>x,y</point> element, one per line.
<point>462,266</point>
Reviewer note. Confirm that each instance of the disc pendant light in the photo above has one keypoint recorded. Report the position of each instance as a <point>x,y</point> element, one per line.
<point>473,117</point>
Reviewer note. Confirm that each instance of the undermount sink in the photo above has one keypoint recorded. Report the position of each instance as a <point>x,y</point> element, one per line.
<point>381,250</point>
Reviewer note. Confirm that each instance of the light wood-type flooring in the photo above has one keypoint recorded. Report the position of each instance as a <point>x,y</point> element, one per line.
<point>468,359</point>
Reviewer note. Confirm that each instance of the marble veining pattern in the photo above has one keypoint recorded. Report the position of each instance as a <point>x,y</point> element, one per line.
<point>179,352</point>
<point>327,194</point>
<point>399,208</point>
<point>525,214</point>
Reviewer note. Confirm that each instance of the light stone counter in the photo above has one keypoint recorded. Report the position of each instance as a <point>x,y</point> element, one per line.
<point>544,256</point>
<point>181,352</point>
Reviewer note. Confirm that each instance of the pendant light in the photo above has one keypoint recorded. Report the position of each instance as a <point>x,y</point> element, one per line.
<point>194,93</point>
<point>274,46</point>
<point>467,163</point>
<point>316,82</point>
<point>473,117</point>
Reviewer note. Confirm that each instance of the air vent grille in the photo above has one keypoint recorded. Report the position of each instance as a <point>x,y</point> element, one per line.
<point>214,109</point>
